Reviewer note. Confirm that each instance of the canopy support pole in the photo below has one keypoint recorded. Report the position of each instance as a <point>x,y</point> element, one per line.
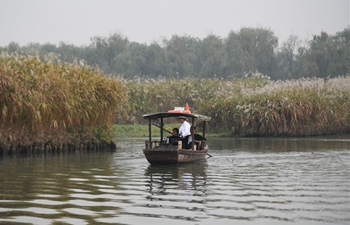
<point>150,132</point>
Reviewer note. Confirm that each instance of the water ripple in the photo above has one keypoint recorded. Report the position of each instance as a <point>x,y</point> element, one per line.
<point>239,187</point>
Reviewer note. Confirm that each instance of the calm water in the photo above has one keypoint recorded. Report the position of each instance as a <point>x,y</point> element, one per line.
<point>246,181</point>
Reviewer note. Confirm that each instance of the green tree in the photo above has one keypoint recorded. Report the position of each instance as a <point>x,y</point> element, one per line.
<point>287,56</point>
<point>108,53</point>
<point>211,60</point>
<point>251,49</point>
<point>181,53</point>
<point>156,61</point>
<point>331,53</point>
<point>12,47</point>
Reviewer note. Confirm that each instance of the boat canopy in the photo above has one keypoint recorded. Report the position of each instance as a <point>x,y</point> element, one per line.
<point>167,114</point>
<point>161,115</point>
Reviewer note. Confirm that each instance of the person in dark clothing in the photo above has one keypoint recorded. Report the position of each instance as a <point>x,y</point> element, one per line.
<point>197,138</point>
<point>174,138</point>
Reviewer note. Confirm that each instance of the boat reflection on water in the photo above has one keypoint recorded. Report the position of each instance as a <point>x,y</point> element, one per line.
<point>177,186</point>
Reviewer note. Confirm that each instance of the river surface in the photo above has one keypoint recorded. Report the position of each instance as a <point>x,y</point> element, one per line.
<point>246,181</point>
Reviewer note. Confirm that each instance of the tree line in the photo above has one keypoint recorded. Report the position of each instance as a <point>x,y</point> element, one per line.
<point>242,52</point>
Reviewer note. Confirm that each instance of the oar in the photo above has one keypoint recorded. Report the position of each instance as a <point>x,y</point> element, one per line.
<point>209,155</point>
<point>162,128</point>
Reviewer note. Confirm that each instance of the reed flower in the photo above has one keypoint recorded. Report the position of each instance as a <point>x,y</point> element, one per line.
<point>51,101</point>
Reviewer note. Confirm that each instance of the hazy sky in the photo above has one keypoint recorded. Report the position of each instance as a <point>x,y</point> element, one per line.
<point>144,21</point>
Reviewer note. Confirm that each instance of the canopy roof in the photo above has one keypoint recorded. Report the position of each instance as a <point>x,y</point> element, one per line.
<point>167,114</point>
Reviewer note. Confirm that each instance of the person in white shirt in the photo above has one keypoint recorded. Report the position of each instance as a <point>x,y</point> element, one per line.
<point>184,131</point>
<point>185,128</point>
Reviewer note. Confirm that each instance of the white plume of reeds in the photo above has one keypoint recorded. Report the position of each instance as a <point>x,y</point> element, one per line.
<point>319,85</point>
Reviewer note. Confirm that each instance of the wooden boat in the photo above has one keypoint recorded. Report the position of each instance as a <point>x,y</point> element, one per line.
<point>161,152</point>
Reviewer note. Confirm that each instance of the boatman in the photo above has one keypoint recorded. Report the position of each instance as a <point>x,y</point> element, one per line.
<point>184,131</point>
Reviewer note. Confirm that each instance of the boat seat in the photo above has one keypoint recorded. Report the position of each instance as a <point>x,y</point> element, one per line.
<point>165,146</point>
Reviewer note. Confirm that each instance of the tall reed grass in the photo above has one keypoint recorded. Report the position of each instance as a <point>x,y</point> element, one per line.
<point>50,105</point>
<point>254,106</point>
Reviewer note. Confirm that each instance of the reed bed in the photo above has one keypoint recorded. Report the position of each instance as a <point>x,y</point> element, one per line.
<point>253,106</point>
<point>154,95</point>
<point>301,107</point>
<point>50,106</point>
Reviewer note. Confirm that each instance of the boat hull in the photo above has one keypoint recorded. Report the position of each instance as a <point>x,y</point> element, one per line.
<point>173,156</point>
